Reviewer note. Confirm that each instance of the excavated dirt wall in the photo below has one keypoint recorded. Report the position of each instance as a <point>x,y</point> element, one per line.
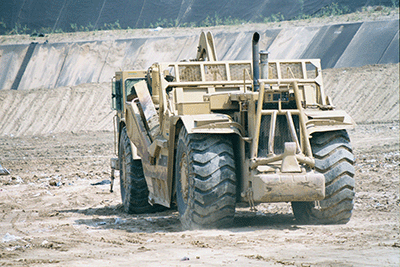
<point>370,95</point>
<point>52,65</point>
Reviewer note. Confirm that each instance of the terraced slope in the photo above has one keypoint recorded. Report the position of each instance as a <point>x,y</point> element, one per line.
<point>369,94</point>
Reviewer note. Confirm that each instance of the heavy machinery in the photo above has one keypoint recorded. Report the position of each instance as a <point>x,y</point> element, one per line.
<point>207,134</point>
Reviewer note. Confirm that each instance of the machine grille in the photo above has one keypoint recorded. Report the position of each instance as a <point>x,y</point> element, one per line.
<point>190,73</point>
<point>236,71</point>
<point>280,136</point>
<point>215,72</point>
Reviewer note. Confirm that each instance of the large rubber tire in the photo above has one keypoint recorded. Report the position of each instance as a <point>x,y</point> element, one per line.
<point>134,191</point>
<point>205,180</point>
<point>334,158</point>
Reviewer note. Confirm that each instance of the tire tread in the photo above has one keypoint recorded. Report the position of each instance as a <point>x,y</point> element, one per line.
<point>334,158</point>
<point>212,180</point>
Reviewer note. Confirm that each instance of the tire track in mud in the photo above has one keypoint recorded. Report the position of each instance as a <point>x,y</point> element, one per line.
<point>45,111</point>
<point>368,94</point>
<point>31,111</point>
<point>61,113</point>
<point>6,108</point>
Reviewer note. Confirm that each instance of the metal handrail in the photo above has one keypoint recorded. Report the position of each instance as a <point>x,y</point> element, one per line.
<point>303,149</point>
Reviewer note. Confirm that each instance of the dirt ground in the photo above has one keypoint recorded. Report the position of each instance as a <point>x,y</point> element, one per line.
<point>51,214</point>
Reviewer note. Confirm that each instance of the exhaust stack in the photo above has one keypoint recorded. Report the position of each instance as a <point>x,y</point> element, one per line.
<point>264,64</point>
<point>256,61</point>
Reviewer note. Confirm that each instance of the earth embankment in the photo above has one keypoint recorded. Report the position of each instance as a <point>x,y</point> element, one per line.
<point>369,94</point>
<point>52,64</point>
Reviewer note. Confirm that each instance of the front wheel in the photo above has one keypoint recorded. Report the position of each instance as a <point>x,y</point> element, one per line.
<point>134,192</point>
<point>334,158</point>
<point>205,180</point>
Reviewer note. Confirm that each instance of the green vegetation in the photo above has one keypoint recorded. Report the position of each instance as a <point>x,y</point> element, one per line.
<point>217,21</point>
<point>333,10</point>
<point>19,29</point>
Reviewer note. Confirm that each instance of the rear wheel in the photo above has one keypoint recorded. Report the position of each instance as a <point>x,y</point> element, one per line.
<point>205,180</point>
<point>134,192</point>
<point>334,158</point>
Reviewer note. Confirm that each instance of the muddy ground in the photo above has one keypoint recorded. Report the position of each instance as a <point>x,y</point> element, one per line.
<point>51,213</point>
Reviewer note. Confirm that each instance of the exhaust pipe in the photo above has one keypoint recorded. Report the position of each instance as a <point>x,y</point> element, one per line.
<point>256,61</point>
<point>264,64</point>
